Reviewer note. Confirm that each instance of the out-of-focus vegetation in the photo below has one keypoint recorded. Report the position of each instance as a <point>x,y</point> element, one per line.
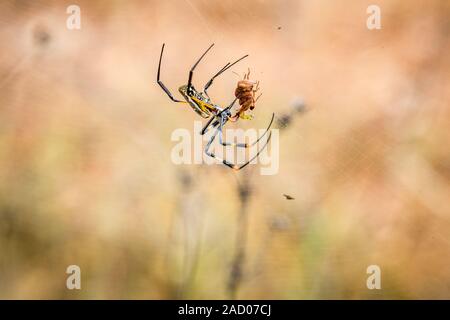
<point>86,176</point>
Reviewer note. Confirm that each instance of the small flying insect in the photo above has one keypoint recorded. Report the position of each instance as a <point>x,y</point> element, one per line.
<point>288,197</point>
<point>218,116</point>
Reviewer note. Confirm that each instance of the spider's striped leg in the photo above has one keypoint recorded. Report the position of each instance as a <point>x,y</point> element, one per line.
<point>191,72</point>
<point>208,145</point>
<point>160,82</point>
<point>212,79</point>
<point>225,68</point>
<point>208,125</point>
<point>237,167</point>
<point>226,162</point>
<point>216,118</point>
<point>242,145</point>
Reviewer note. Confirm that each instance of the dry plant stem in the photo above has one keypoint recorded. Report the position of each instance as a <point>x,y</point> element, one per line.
<point>190,263</point>
<point>245,191</point>
<point>191,246</point>
<point>237,265</point>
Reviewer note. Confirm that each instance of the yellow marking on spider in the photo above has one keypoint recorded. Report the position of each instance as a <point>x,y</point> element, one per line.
<point>245,116</point>
<point>203,105</point>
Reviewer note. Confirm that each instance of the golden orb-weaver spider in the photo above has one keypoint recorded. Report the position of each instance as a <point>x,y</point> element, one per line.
<point>201,103</point>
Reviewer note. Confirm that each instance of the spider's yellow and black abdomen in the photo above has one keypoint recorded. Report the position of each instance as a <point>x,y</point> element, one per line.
<point>197,102</point>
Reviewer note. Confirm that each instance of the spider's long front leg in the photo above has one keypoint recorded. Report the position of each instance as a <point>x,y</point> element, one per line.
<point>160,82</point>
<point>191,72</point>
<point>225,68</point>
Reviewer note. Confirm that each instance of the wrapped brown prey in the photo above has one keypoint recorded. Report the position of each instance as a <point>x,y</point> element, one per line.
<point>245,93</point>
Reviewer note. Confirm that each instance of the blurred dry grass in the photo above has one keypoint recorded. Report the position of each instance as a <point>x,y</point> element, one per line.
<point>86,176</point>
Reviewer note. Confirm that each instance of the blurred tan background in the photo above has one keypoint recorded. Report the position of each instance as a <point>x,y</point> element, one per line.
<point>86,176</point>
